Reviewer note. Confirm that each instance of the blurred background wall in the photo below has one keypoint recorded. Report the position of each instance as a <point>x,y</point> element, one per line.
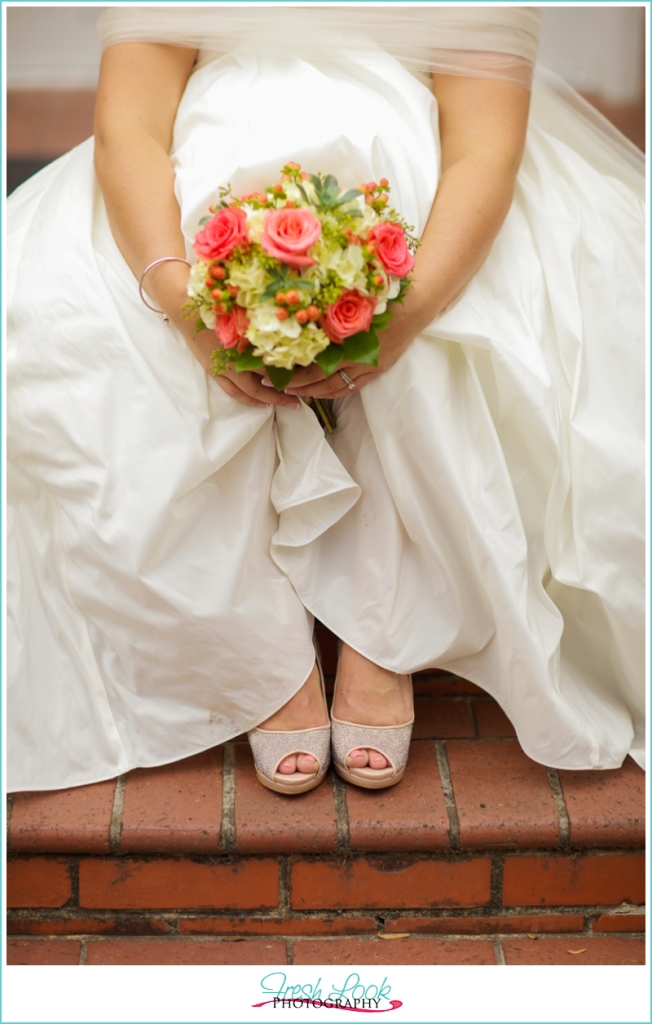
<point>53,58</point>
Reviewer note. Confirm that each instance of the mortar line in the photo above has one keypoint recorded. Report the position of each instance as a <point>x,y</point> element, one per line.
<point>289,952</point>
<point>73,869</point>
<point>449,795</point>
<point>471,710</point>
<point>284,886</point>
<point>499,953</point>
<point>562,811</point>
<point>343,835</point>
<point>227,831</point>
<point>496,884</point>
<point>115,828</point>
<point>83,952</point>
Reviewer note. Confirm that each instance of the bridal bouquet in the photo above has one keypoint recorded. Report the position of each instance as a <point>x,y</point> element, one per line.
<point>299,273</point>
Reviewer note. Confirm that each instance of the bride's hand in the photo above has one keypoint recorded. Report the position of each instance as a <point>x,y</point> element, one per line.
<point>245,387</point>
<point>394,340</point>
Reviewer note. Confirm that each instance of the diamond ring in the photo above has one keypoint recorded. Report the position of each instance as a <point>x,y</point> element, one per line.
<point>347,380</point>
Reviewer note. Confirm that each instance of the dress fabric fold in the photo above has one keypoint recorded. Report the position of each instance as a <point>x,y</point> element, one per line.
<point>480,507</point>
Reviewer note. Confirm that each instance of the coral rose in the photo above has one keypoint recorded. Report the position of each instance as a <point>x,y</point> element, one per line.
<point>348,315</point>
<point>224,232</point>
<point>391,249</point>
<point>288,234</point>
<point>230,328</point>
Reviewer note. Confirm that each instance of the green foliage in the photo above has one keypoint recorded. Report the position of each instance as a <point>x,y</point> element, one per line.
<point>279,377</point>
<point>330,358</point>
<point>221,361</point>
<point>362,348</point>
<point>247,360</point>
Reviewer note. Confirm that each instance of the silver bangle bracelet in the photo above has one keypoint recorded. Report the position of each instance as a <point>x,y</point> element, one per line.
<point>155,263</point>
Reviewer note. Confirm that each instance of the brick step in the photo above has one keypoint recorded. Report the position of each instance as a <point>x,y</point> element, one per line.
<point>410,950</point>
<point>477,840</point>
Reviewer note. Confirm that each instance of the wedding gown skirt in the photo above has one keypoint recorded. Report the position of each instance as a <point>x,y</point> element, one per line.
<point>479,508</point>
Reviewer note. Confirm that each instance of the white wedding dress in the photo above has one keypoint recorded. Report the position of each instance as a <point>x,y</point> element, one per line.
<point>479,509</point>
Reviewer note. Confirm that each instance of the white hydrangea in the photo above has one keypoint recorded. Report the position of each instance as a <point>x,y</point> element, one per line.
<point>250,278</point>
<point>255,222</point>
<point>389,291</point>
<point>349,265</point>
<point>369,217</point>
<point>264,320</point>
<point>278,350</point>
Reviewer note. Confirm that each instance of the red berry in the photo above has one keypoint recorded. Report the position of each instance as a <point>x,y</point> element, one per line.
<point>281,298</point>
<point>301,316</point>
<point>379,280</point>
<point>220,308</point>
<point>383,183</point>
<point>292,298</point>
<point>313,312</point>
<point>232,289</point>
<point>217,294</point>
<point>281,314</point>
<point>217,271</point>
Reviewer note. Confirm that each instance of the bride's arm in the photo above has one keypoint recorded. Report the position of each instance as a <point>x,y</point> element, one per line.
<point>482,128</point>
<point>140,87</point>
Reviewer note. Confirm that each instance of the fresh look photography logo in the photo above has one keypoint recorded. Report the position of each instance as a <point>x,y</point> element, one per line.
<point>356,995</point>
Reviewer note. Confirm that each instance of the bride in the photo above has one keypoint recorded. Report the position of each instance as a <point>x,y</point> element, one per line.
<point>480,505</point>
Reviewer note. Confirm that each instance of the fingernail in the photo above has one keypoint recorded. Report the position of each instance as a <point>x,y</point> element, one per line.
<point>293,405</point>
<point>266,382</point>
<point>288,391</point>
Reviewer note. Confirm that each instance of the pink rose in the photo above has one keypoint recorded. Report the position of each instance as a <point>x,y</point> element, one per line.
<point>391,249</point>
<point>230,328</point>
<point>349,314</point>
<point>224,232</point>
<point>288,234</point>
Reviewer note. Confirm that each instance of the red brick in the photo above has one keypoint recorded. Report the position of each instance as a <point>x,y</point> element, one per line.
<point>277,926</point>
<point>63,821</point>
<point>46,123</point>
<point>619,923</point>
<point>402,882</point>
<point>442,684</point>
<point>441,719</point>
<point>410,816</point>
<point>177,884</point>
<point>503,798</point>
<point>87,926</point>
<point>486,925</point>
<point>393,951</point>
<point>606,808</point>
<point>267,822</point>
<point>176,808</point>
<point>38,882</point>
<point>567,951</point>
<point>43,951</point>
<point>491,719</point>
<point>574,881</point>
<point>185,951</point>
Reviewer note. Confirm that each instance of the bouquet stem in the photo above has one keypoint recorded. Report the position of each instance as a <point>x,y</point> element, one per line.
<point>323,411</point>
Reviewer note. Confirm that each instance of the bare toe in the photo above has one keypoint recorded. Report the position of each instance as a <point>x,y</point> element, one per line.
<point>306,763</point>
<point>288,766</point>
<point>377,760</point>
<point>358,759</point>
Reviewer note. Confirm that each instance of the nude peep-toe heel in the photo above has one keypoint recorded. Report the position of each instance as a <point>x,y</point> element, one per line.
<point>270,747</point>
<point>392,741</point>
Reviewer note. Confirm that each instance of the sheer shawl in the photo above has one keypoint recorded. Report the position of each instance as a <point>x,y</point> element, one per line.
<point>487,42</point>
